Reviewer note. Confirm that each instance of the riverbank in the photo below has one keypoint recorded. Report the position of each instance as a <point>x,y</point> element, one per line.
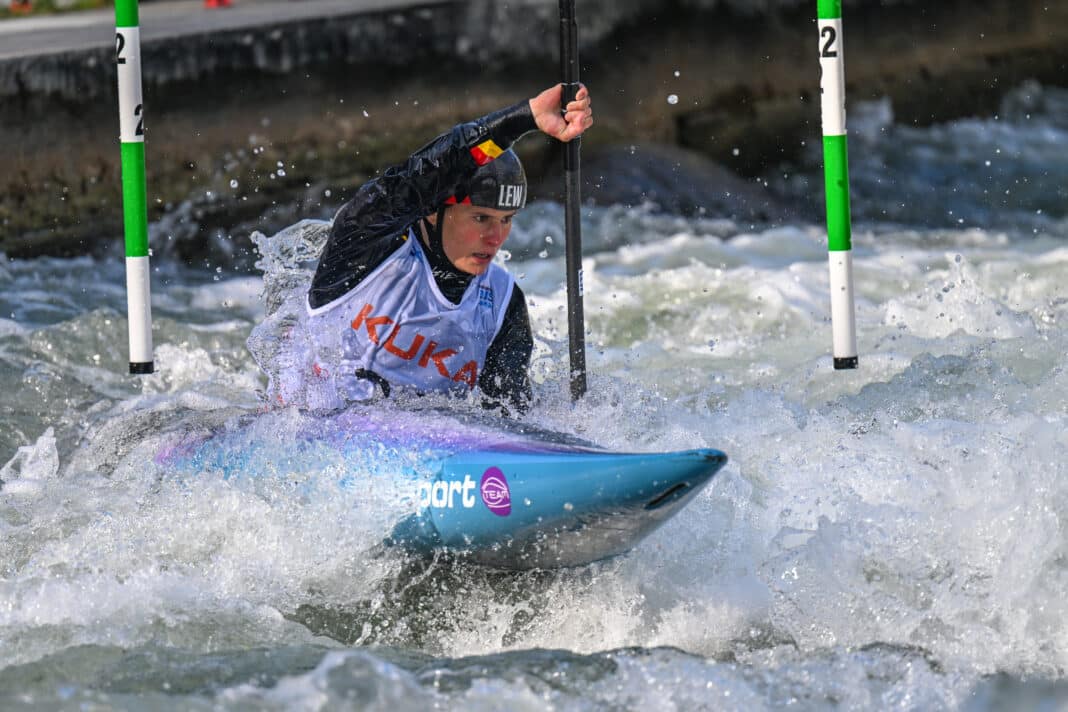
<point>252,127</point>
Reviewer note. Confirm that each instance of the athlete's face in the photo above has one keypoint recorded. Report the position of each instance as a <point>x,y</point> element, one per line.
<point>471,235</point>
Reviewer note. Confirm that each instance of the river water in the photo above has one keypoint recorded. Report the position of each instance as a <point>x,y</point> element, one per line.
<point>891,537</point>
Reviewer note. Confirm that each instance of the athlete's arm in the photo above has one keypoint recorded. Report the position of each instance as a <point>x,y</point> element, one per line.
<point>371,225</point>
<point>504,376</point>
<point>504,379</point>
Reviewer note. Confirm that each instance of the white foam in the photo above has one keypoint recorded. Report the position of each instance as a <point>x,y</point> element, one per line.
<point>914,503</point>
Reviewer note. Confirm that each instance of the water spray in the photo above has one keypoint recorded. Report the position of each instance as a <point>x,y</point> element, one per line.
<point>134,203</point>
<point>836,180</point>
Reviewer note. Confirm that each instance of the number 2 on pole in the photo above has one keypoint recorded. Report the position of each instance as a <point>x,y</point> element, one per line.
<point>831,36</point>
<point>128,67</point>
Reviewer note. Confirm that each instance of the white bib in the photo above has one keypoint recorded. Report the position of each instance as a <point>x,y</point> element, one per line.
<point>397,325</point>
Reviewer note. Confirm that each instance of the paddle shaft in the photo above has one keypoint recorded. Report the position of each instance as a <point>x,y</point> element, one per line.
<point>576,328</point>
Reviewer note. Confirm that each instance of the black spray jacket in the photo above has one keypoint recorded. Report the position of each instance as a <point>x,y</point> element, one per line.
<point>372,225</point>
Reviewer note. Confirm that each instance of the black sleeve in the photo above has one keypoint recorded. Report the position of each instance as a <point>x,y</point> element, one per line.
<point>504,376</point>
<point>371,225</point>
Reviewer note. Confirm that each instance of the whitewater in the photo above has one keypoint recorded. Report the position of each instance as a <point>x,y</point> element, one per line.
<point>892,537</point>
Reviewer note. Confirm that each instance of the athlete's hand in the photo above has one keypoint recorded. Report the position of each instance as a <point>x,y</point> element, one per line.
<point>565,126</point>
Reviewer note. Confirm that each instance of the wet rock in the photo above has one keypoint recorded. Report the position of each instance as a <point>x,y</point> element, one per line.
<point>675,180</point>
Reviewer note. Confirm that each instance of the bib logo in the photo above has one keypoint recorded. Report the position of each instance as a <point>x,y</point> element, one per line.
<point>468,373</point>
<point>495,494</point>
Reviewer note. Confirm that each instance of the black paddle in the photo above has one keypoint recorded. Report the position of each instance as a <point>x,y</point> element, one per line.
<point>576,328</point>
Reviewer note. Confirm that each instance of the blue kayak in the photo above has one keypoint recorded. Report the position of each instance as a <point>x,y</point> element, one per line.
<point>498,492</point>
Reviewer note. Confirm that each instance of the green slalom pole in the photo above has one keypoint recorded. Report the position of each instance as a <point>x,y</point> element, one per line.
<point>836,179</point>
<point>134,204</point>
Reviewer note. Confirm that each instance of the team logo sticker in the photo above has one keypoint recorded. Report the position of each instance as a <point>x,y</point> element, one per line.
<point>495,494</point>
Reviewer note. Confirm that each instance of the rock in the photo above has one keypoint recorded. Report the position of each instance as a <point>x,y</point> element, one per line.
<point>674,180</point>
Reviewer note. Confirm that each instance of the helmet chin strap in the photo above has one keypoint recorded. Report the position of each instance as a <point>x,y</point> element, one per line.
<point>436,237</point>
<point>433,239</point>
<point>449,278</point>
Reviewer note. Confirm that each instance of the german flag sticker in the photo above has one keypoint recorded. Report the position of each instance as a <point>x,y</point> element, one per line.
<point>485,152</point>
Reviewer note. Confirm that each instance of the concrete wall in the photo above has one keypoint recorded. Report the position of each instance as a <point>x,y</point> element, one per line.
<point>334,99</point>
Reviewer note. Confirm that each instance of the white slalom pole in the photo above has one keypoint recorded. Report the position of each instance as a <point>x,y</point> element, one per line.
<point>836,180</point>
<point>134,203</point>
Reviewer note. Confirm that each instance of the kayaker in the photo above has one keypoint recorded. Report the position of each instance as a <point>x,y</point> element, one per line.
<point>407,293</point>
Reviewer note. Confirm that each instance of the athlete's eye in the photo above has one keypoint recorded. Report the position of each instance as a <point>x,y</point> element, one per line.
<point>506,220</point>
